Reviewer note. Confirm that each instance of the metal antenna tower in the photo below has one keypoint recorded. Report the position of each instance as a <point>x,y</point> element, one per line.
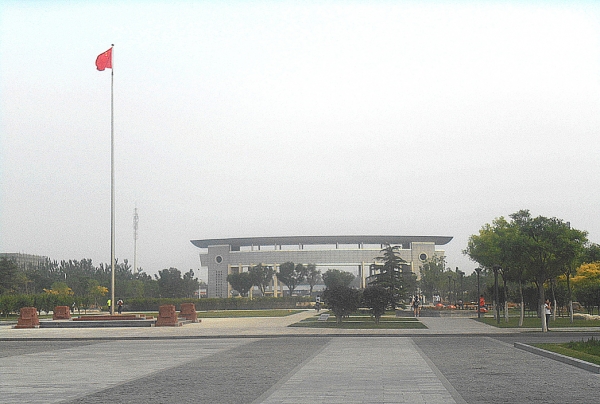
<point>136,220</point>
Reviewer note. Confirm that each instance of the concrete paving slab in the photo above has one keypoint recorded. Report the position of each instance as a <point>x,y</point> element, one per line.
<point>250,327</point>
<point>57,375</point>
<point>262,360</point>
<point>358,370</point>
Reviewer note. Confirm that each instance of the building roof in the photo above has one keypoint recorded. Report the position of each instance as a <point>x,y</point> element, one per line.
<point>319,240</point>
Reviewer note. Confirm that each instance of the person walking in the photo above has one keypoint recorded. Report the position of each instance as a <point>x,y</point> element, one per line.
<point>415,304</point>
<point>120,305</point>
<point>547,312</point>
<point>108,303</point>
<point>481,303</point>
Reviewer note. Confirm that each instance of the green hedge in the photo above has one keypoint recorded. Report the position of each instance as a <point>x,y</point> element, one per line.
<point>11,304</point>
<point>235,303</point>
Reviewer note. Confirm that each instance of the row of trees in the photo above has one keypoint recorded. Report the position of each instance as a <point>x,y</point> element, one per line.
<point>293,275</point>
<point>534,250</point>
<point>451,285</point>
<point>586,285</point>
<point>290,274</point>
<point>82,279</point>
<point>386,287</point>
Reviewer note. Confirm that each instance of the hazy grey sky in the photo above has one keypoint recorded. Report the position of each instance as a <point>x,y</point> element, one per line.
<point>267,118</point>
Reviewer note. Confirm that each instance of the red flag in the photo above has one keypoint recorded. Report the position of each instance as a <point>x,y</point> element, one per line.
<point>104,60</point>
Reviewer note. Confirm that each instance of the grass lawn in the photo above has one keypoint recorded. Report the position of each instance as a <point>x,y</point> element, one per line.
<point>363,322</point>
<point>201,314</point>
<point>246,313</point>
<point>15,317</point>
<point>588,351</point>
<point>237,313</point>
<point>534,322</point>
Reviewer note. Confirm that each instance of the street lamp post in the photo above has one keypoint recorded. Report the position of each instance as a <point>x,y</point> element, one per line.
<point>199,283</point>
<point>455,293</point>
<point>478,270</point>
<point>462,289</point>
<point>449,290</point>
<point>496,268</point>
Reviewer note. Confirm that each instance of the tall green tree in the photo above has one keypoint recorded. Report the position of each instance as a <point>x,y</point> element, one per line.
<point>190,284</point>
<point>242,282</point>
<point>432,276</point>
<point>537,248</point>
<point>170,283</point>
<point>587,253</point>
<point>550,245</point>
<point>335,277</point>
<point>499,245</point>
<point>378,299</point>
<point>313,276</point>
<point>8,276</point>
<point>95,291</point>
<point>591,253</point>
<point>390,274</point>
<point>292,275</point>
<point>586,285</point>
<point>341,300</point>
<point>262,276</point>
<point>150,286</point>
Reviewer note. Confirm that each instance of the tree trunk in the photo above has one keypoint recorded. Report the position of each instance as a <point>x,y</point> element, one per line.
<point>541,305</point>
<point>570,296</point>
<point>522,316</point>
<point>553,301</point>
<point>505,300</point>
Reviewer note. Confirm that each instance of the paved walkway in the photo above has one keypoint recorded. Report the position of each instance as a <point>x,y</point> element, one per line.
<point>261,360</point>
<point>248,327</point>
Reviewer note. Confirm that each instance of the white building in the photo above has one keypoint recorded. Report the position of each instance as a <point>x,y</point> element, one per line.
<point>231,255</point>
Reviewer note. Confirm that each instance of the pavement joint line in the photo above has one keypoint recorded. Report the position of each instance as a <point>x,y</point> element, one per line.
<point>277,385</point>
<point>453,392</point>
<point>263,336</point>
<point>420,390</point>
<point>268,327</point>
<point>581,364</point>
<point>133,380</point>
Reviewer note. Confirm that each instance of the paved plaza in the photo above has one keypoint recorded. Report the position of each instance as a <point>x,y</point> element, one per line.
<point>261,360</point>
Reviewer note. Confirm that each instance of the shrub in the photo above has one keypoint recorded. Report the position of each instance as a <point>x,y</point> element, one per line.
<point>47,301</point>
<point>8,304</point>
<point>342,301</point>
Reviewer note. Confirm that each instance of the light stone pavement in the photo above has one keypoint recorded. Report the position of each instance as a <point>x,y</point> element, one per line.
<point>352,370</point>
<point>261,360</point>
<point>244,326</point>
<point>60,374</point>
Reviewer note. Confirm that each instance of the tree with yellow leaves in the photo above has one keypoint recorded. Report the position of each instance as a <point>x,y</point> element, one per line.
<point>59,288</point>
<point>586,285</point>
<point>95,290</point>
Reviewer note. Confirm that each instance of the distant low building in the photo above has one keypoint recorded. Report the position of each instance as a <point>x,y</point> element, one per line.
<point>233,255</point>
<point>25,261</point>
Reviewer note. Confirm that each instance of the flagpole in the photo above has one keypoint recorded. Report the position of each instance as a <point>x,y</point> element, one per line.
<point>112,186</point>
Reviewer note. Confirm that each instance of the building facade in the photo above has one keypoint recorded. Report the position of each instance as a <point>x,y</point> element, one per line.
<point>225,256</point>
<point>25,261</point>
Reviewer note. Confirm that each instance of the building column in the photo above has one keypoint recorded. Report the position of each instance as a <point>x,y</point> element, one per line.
<point>227,283</point>
<point>275,285</point>
<point>363,277</point>
<point>252,288</point>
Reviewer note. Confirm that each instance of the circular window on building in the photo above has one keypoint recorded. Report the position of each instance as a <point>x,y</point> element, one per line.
<point>423,257</point>
<point>218,259</point>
